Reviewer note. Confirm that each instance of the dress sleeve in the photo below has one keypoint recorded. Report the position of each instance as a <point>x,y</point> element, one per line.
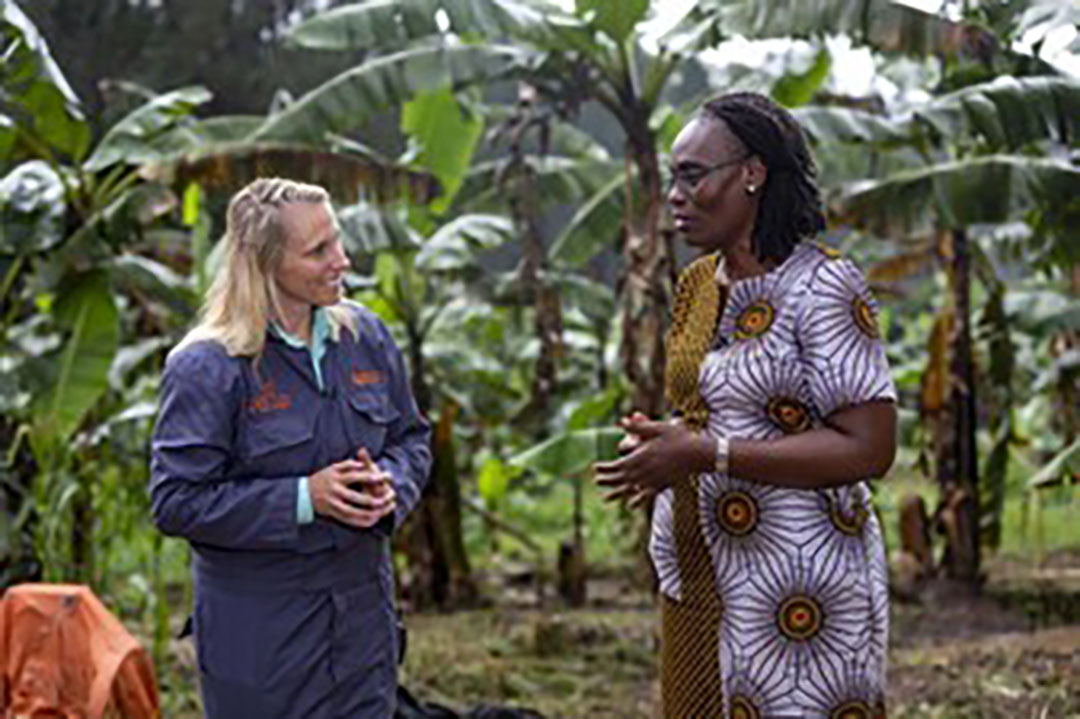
<point>841,347</point>
<point>191,450</point>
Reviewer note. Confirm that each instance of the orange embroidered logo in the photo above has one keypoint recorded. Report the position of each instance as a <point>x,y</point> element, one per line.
<point>269,399</point>
<point>367,376</point>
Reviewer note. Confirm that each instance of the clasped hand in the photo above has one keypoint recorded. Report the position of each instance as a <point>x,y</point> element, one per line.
<point>654,454</point>
<point>356,492</point>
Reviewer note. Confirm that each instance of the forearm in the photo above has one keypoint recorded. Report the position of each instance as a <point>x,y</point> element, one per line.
<point>817,459</point>
<point>408,461</point>
<point>236,514</point>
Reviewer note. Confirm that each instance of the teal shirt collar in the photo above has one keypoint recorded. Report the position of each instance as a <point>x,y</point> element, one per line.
<point>320,334</point>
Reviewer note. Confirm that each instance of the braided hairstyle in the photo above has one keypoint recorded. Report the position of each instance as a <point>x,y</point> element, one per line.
<point>244,299</point>
<point>790,208</point>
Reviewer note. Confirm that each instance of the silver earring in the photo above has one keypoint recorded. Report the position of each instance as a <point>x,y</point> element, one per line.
<point>751,189</point>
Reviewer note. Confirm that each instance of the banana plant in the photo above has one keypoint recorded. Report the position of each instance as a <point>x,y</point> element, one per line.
<point>591,54</point>
<point>992,154</point>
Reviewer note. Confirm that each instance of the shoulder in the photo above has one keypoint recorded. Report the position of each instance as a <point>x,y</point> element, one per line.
<point>703,269</point>
<point>816,266</point>
<point>204,361</point>
<point>359,324</point>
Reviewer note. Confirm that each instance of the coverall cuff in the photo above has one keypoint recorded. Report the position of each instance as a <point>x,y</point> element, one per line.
<point>305,512</point>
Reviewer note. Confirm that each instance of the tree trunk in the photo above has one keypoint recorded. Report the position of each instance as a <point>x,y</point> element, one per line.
<point>645,286</point>
<point>439,572</point>
<point>82,535</point>
<point>573,568</point>
<point>957,461</point>
<point>18,559</point>
<point>547,322</point>
<point>645,289</point>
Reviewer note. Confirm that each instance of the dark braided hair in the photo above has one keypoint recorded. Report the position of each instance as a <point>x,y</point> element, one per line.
<point>790,208</point>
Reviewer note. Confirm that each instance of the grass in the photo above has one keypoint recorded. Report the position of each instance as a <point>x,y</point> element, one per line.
<point>1034,523</point>
<point>563,664</point>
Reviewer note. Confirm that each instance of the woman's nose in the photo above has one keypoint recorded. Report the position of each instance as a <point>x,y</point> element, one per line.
<point>341,259</point>
<point>675,196</point>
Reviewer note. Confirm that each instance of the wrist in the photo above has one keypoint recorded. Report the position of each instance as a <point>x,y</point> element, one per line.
<point>704,458</point>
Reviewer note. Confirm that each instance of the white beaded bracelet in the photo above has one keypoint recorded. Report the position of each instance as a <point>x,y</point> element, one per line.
<point>721,466</point>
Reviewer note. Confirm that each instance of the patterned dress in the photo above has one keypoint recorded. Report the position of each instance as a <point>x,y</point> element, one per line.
<point>801,574</point>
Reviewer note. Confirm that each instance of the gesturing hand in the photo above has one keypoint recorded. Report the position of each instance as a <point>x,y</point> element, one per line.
<point>656,454</point>
<point>354,491</point>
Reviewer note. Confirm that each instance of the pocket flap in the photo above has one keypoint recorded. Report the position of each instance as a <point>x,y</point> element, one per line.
<point>376,406</point>
<point>273,433</point>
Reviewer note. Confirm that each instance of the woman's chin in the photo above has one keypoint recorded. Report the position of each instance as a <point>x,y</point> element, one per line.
<point>697,240</point>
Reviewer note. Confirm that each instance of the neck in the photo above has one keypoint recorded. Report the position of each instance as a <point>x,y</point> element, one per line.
<point>295,318</point>
<point>741,262</point>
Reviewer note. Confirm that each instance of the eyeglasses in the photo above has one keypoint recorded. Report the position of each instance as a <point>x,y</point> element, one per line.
<point>688,176</point>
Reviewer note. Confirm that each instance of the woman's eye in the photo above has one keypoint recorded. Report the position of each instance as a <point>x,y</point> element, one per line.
<point>691,177</point>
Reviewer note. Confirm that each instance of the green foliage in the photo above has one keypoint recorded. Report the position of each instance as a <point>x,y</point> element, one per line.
<point>883,24</point>
<point>31,209</point>
<point>1064,462</point>
<point>77,375</point>
<point>570,453</point>
<point>493,481</point>
<point>799,88</point>
<point>455,245</point>
<point>616,20</point>
<point>380,25</point>
<point>349,100</point>
<point>990,189</point>
<point>156,130</point>
<point>445,133</point>
<point>33,89</point>
<point>593,227</point>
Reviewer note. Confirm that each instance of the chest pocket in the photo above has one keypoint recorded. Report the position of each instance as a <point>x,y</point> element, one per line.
<point>271,433</point>
<point>368,415</point>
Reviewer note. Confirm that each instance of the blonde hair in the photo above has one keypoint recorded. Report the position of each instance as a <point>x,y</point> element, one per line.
<point>244,296</point>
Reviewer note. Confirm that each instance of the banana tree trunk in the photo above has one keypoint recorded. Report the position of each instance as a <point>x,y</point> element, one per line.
<point>82,534</point>
<point>957,461</point>
<point>647,279</point>
<point>439,572</point>
<point>19,561</point>
<point>548,306</point>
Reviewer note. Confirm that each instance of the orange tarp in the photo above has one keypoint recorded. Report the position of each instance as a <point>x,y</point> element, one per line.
<point>64,656</point>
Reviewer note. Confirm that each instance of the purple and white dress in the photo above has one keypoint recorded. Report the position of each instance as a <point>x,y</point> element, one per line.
<point>801,574</point>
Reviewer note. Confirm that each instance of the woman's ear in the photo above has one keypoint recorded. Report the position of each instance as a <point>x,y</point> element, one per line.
<point>754,175</point>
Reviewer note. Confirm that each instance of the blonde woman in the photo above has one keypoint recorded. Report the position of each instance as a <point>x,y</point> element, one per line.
<point>287,448</point>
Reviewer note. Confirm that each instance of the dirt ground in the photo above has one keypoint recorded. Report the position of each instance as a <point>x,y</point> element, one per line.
<point>996,656</point>
<point>1011,653</point>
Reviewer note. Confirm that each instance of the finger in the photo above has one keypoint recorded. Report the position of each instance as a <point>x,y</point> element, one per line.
<point>351,497</point>
<point>369,519</point>
<point>364,457</point>
<point>644,428</point>
<point>612,480</point>
<point>621,494</point>
<point>368,502</point>
<point>348,514</point>
<point>367,478</point>
<point>349,465</point>
<point>636,416</point>
<point>641,499</point>
<point>615,465</point>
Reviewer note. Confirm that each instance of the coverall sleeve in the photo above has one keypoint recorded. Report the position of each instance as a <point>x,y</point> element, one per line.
<point>406,453</point>
<point>191,496</point>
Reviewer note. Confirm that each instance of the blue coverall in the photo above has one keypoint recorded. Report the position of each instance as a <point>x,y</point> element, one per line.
<point>291,620</point>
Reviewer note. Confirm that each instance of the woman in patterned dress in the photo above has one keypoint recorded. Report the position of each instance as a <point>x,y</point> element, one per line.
<point>765,479</point>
